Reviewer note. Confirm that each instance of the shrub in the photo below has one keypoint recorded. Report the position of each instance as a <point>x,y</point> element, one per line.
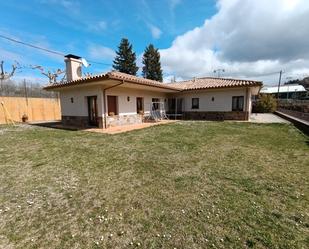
<point>266,103</point>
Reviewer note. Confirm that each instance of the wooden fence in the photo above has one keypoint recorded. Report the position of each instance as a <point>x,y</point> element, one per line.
<point>37,109</point>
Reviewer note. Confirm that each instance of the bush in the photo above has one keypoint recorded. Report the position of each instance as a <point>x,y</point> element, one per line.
<point>266,103</point>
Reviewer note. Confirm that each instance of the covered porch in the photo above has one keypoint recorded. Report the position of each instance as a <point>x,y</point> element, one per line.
<point>112,103</point>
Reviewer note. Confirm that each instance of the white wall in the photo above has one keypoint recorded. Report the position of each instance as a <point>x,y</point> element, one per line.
<point>126,107</point>
<point>222,99</point>
<point>73,69</point>
<point>79,107</point>
<point>79,94</point>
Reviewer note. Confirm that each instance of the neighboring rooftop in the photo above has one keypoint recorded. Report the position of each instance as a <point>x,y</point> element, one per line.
<point>283,89</point>
<point>194,84</point>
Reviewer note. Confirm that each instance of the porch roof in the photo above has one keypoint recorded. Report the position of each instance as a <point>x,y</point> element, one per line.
<point>113,76</point>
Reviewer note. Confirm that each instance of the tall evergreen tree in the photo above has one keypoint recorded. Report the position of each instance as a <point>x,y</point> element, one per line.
<point>152,65</point>
<point>125,60</point>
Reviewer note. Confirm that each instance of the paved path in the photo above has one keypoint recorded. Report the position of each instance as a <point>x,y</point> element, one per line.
<point>125,128</point>
<point>266,118</point>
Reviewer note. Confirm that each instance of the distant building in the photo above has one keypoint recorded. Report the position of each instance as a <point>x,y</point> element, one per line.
<point>286,91</point>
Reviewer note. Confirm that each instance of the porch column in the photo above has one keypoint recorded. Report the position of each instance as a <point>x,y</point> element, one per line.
<point>102,108</point>
<point>175,107</point>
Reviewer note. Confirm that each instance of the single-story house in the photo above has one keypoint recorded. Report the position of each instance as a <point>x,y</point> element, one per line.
<point>115,98</point>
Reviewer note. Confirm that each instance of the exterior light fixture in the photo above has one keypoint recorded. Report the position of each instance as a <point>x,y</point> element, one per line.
<point>128,98</point>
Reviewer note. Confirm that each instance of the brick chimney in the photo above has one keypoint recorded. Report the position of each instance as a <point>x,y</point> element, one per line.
<point>73,65</point>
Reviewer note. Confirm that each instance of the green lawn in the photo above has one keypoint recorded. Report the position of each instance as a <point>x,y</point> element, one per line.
<point>182,185</point>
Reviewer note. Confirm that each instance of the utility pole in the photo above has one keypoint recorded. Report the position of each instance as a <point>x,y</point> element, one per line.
<point>279,83</point>
<point>288,79</point>
<point>26,91</point>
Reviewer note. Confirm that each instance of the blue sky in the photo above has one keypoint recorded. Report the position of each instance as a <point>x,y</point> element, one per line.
<point>247,38</point>
<point>92,29</point>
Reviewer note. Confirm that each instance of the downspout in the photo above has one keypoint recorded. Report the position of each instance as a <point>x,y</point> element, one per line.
<point>247,103</point>
<point>104,99</point>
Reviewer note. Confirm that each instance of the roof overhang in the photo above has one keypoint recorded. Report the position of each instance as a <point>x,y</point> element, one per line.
<point>106,83</point>
<point>134,82</point>
<point>147,88</point>
<point>106,79</point>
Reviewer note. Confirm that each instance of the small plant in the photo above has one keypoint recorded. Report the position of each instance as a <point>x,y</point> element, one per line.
<point>266,103</point>
<point>24,118</point>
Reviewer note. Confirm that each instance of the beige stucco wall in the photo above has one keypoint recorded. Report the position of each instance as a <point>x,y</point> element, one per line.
<point>126,107</point>
<point>222,99</point>
<point>79,94</point>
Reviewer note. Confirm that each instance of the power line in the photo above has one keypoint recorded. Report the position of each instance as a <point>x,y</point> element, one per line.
<point>279,83</point>
<point>100,63</point>
<point>46,49</point>
<point>32,46</point>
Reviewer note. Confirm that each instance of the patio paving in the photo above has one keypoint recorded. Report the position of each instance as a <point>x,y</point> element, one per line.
<point>266,118</point>
<point>126,128</point>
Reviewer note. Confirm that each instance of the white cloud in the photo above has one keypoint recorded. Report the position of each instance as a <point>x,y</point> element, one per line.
<point>171,78</point>
<point>173,3</point>
<point>96,26</point>
<point>155,31</point>
<point>246,38</point>
<point>100,52</point>
<point>102,25</point>
<point>68,4</point>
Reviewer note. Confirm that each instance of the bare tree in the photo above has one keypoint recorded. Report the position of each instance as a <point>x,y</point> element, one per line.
<point>5,75</point>
<point>52,76</point>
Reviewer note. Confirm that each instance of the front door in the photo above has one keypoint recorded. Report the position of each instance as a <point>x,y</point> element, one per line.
<point>92,111</point>
<point>179,106</point>
<point>139,105</point>
<point>112,105</point>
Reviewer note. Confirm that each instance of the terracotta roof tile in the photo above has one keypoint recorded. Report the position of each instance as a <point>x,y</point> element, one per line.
<point>113,76</point>
<point>210,82</point>
<point>194,84</point>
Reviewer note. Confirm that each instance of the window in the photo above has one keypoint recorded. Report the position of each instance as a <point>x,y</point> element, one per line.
<point>155,104</point>
<point>238,103</point>
<point>195,103</point>
<point>112,105</point>
<point>92,110</point>
<point>171,103</point>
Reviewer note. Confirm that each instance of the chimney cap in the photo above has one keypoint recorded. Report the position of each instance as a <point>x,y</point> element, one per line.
<point>72,56</point>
